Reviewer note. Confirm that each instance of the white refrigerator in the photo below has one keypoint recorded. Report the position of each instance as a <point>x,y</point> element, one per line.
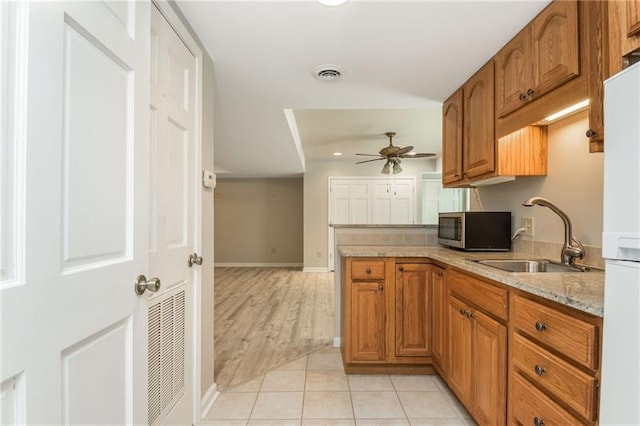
<point>620,389</point>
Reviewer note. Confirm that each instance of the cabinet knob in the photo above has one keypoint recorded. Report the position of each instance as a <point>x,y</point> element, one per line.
<point>537,421</point>
<point>401,269</point>
<point>539,370</point>
<point>380,287</point>
<point>531,92</point>
<point>590,133</point>
<point>463,312</point>
<point>368,270</point>
<point>540,326</point>
<point>522,97</point>
<point>439,273</point>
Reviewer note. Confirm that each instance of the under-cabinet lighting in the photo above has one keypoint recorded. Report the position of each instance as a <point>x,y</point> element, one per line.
<point>337,154</point>
<point>569,110</point>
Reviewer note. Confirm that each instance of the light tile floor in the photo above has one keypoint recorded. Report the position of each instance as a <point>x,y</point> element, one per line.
<point>314,390</point>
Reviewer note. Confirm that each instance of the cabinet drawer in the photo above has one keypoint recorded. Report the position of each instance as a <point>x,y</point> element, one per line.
<point>367,269</point>
<point>570,385</point>
<point>571,336</point>
<point>486,296</point>
<point>529,406</point>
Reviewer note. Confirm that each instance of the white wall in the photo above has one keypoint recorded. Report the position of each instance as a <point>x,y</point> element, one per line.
<point>574,182</point>
<point>316,198</point>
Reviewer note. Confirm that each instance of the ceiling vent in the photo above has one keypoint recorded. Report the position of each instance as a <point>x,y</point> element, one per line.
<point>328,73</point>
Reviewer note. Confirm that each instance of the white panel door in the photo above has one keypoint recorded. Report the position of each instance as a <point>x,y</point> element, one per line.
<point>173,183</point>
<point>403,201</point>
<point>340,202</point>
<point>349,201</point>
<point>75,126</point>
<point>359,202</point>
<point>382,202</point>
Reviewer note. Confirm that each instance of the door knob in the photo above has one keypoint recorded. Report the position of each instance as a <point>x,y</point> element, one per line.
<point>142,285</point>
<point>194,259</point>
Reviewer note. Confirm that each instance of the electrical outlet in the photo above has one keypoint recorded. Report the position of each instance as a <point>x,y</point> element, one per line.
<point>318,253</point>
<point>527,224</point>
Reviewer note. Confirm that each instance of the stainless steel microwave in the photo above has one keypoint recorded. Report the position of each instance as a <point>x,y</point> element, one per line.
<point>475,231</point>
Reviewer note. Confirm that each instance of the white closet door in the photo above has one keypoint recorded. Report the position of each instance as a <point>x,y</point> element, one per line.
<point>404,201</point>
<point>75,126</point>
<point>350,201</point>
<point>382,202</point>
<point>172,223</point>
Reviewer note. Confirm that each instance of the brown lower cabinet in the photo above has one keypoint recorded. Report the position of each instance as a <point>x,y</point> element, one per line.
<point>477,371</point>
<point>386,316</point>
<point>509,356</point>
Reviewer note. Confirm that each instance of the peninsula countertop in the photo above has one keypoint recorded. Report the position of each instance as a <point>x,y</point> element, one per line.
<point>580,290</point>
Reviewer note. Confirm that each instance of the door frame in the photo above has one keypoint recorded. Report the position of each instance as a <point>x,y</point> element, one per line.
<point>175,20</point>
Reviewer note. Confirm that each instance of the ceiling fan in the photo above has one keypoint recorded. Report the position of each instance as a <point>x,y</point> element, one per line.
<point>393,154</point>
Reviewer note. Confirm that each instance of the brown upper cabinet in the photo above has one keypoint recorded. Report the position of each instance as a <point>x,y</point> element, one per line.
<point>478,137</point>
<point>452,138</point>
<point>468,142</point>
<point>542,57</point>
<point>633,18</point>
<point>623,33</point>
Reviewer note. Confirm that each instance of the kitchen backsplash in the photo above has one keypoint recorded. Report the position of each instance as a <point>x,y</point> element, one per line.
<point>551,250</point>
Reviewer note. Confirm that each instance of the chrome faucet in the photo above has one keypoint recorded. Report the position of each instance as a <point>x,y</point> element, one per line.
<point>572,248</point>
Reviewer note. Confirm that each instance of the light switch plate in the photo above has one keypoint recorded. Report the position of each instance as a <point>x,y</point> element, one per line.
<point>208,179</point>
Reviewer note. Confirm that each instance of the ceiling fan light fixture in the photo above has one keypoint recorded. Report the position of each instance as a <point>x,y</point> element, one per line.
<point>332,3</point>
<point>386,169</point>
<point>396,168</point>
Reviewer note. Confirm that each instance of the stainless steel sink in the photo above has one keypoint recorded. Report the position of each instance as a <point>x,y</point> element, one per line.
<point>529,265</point>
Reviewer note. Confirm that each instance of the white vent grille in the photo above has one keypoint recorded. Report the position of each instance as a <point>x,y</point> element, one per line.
<point>328,73</point>
<point>166,353</point>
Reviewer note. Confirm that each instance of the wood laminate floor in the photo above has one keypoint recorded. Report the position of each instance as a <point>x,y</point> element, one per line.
<point>266,317</point>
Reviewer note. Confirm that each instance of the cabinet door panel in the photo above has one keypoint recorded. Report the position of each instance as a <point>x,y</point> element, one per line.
<point>368,307</point>
<point>460,354</point>
<point>413,313</point>
<point>440,328</point>
<point>452,138</point>
<point>490,370</point>
<point>478,151</point>
<point>633,17</point>
<point>513,73</point>
<point>555,46</point>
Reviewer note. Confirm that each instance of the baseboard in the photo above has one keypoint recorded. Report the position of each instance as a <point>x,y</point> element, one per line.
<point>208,399</point>
<point>314,269</point>
<point>336,342</point>
<point>257,265</point>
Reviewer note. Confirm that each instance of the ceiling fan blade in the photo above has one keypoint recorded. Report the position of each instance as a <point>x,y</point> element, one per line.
<point>404,150</point>
<point>368,161</point>
<point>369,155</point>
<point>418,155</point>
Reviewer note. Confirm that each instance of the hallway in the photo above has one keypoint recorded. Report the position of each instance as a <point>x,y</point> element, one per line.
<point>266,318</point>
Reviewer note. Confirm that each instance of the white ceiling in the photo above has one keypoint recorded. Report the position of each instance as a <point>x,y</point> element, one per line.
<point>402,59</point>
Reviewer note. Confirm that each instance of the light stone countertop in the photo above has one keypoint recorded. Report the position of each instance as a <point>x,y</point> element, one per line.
<point>580,290</point>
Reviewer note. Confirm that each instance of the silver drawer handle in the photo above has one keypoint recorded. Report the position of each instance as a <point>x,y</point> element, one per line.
<point>540,326</point>
<point>537,421</point>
